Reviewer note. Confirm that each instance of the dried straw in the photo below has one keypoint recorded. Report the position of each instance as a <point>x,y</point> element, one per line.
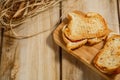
<point>19,10</point>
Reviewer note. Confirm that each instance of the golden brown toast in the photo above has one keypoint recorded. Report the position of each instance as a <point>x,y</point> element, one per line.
<point>95,40</point>
<point>72,44</point>
<point>82,26</point>
<point>76,44</point>
<point>108,59</point>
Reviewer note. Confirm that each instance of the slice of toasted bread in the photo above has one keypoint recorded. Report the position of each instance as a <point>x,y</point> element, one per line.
<point>72,44</point>
<point>117,77</point>
<point>95,40</point>
<point>108,59</point>
<point>111,34</point>
<point>82,26</point>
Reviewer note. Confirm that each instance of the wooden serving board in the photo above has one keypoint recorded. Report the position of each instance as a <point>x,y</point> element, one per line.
<point>85,53</point>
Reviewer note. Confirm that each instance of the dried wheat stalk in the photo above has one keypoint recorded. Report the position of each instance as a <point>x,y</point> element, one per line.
<point>19,10</point>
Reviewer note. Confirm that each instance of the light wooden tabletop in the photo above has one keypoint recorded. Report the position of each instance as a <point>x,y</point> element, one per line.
<point>39,58</point>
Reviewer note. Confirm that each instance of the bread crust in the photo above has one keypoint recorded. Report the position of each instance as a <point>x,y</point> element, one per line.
<point>94,41</point>
<point>100,67</point>
<point>72,44</point>
<point>84,36</point>
<point>82,39</point>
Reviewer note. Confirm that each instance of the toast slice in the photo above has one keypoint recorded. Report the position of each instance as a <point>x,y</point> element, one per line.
<point>111,34</point>
<point>72,44</point>
<point>82,26</point>
<point>76,44</point>
<point>108,59</point>
<point>95,40</point>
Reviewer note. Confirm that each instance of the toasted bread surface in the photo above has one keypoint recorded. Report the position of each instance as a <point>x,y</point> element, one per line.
<point>108,59</point>
<point>72,44</point>
<point>82,26</point>
<point>95,40</point>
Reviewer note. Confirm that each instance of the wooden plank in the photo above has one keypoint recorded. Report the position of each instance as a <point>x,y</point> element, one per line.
<point>118,6</point>
<point>36,58</point>
<point>0,45</point>
<point>8,56</point>
<point>72,69</point>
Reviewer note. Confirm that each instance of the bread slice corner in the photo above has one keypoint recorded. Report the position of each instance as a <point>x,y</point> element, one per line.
<point>108,59</point>
<point>83,25</point>
<point>72,44</point>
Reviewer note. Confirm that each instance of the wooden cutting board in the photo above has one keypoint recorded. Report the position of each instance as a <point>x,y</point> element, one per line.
<point>85,53</point>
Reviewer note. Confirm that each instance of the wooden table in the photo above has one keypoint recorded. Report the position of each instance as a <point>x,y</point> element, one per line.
<point>39,58</point>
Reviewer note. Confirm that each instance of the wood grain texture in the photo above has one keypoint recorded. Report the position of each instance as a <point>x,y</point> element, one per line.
<point>118,6</point>
<point>42,58</point>
<point>72,69</point>
<point>118,1</point>
<point>36,58</point>
<point>8,57</point>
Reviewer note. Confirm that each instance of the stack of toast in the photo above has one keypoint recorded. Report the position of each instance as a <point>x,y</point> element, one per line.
<point>90,29</point>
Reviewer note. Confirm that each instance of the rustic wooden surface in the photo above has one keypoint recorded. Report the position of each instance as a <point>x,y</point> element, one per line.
<point>39,58</point>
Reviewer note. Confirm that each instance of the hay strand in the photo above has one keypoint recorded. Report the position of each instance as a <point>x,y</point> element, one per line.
<point>20,10</point>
